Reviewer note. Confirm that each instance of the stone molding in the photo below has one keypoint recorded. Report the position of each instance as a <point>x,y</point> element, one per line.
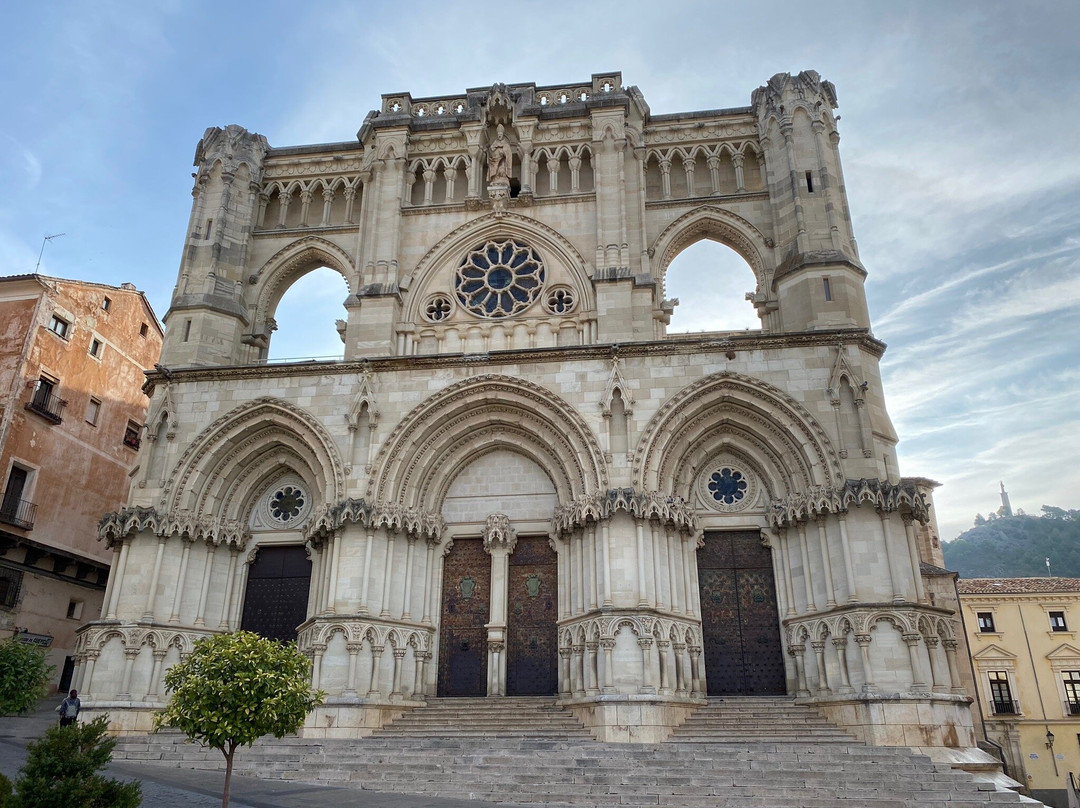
<point>639,504</point>
<point>882,495</point>
<point>394,517</point>
<point>116,526</point>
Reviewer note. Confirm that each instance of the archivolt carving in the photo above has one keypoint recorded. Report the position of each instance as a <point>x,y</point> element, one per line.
<point>710,221</point>
<point>222,447</point>
<point>758,409</point>
<point>318,633</point>
<point>590,629</point>
<point>880,494</point>
<point>434,431</point>
<point>95,638</point>
<point>907,620</point>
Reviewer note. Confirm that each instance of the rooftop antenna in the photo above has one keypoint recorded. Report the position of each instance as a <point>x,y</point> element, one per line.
<point>1048,568</point>
<point>43,240</point>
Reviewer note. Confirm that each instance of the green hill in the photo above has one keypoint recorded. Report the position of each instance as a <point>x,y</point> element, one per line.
<point>1018,546</point>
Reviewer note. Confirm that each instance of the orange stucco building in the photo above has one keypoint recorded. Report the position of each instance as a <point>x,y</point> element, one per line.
<point>72,356</point>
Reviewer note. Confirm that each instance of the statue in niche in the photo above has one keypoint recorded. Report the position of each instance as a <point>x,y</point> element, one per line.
<point>500,159</point>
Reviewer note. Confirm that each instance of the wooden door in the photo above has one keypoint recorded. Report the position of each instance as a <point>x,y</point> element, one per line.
<point>532,643</point>
<point>466,605</point>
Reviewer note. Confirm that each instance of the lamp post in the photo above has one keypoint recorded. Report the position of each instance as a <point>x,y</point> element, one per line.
<point>1050,746</point>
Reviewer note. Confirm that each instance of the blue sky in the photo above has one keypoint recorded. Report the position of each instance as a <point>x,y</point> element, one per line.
<point>959,140</point>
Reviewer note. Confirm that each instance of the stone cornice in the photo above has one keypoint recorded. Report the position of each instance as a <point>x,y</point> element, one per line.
<point>821,500</point>
<point>414,522</point>
<point>116,526</point>
<point>603,505</point>
<point>719,343</point>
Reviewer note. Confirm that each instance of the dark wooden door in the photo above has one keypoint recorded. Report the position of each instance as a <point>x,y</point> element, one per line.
<point>466,605</point>
<point>739,618</point>
<point>275,601</point>
<point>532,643</point>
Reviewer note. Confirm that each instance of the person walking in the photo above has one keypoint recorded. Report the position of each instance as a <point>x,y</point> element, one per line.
<point>69,709</point>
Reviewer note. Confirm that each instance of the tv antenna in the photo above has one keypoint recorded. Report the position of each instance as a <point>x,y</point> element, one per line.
<point>43,242</point>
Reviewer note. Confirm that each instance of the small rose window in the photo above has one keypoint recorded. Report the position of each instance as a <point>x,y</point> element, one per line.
<point>727,486</point>
<point>286,503</point>
<point>499,278</point>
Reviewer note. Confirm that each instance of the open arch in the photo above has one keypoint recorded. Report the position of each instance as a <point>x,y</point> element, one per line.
<point>423,455</point>
<point>710,281</point>
<point>306,317</point>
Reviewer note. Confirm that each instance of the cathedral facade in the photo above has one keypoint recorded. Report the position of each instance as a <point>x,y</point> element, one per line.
<point>516,481</point>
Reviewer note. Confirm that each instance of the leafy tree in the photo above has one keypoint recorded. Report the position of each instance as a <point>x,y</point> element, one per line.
<point>1017,546</point>
<point>235,688</point>
<point>64,766</point>
<point>24,676</point>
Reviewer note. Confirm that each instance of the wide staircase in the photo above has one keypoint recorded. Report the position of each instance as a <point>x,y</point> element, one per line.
<point>738,752</point>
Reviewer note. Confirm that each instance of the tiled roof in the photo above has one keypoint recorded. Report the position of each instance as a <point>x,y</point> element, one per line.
<point>1016,586</point>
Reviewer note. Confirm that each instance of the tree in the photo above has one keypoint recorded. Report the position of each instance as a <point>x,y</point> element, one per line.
<point>64,768</point>
<point>24,675</point>
<point>235,688</point>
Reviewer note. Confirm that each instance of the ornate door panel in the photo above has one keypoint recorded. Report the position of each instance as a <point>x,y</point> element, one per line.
<point>532,652</point>
<point>275,601</point>
<point>466,602</point>
<point>739,619</point>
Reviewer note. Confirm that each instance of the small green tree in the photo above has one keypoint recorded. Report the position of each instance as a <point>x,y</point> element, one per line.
<point>24,676</point>
<point>64,768</point>
<point>235,688</point>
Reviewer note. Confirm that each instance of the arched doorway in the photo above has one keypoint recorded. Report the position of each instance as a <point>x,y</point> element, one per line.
<point>740,623</point>
<point>532,640</point>
<point>466,604</point>
<point>276,597</point>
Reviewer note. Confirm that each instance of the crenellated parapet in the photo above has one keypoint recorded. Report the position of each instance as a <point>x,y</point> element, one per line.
<point>669,510</point>
<point>882,495</point>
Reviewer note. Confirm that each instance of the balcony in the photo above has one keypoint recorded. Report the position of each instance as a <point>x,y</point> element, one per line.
<point>1005,708</point>
<point>18,512</point>
<point>48,405</point>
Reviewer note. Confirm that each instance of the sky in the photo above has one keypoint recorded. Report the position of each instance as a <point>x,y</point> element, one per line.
<point>960,142</point>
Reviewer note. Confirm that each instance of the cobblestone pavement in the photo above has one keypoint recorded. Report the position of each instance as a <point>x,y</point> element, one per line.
<point>180,788</point>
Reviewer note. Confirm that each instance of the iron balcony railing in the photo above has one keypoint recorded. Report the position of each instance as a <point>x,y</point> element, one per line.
<point>18,512</point>
<point>1005,707</point>
<point>48,405</point>
<point>1072,708</point>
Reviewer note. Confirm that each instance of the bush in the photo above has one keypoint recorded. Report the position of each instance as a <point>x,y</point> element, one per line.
<point>24,676</point>
<point>63,770</point>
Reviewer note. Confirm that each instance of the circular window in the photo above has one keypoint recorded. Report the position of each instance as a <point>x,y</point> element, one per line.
<point>499,278</point>
<point>560,300</point>
<point>286,503</point>
<point>438,308</point>
<point>727,486</point>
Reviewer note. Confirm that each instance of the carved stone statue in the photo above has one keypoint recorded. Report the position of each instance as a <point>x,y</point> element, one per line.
<point>500,159</point>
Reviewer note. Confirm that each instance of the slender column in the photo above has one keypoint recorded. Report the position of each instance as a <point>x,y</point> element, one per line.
<point>316,665</point>
<point>118,580</point>
<point>894,573</point>
<point>931,648</point>
<point>608,645</point>
<point>665,178</point>
<point>673,575</point>
<point>822,673</point>
<point>775,554</point>
<point>714,173</point>
<point>737,162</point>
<point>316,576</point>
<point>418,674</point>
<point>178,597</point>
<point>642,587</point>
<point>912,641</point>
<point>305,206</point>
<point>350,200</point>
<point>399,654</point>
<point>591,686</point>
<point>695,586</point>
<point>823,541</point>
<point>227,603</point>
<point>789,148</point>
<point>913,555</point>
<point>582,684</point>
<point>86,686</point>
<point>129,665</point>
<point>950,657</point>
<point>647,683</point>
<point>688,670</point>
<point>562,557</point>
<point>564,672</point>
<point>335,567</point>
<point>388,570</point>
<point>200,617</point>
<point>798,652</point>
<point>868,672</point>
<point>106,599</point>
<point>849,566</point>
<point>577,687</point>
<point>808,575</point>
<point>155,676</point>
<point>367,572</point>
<point>428,558</point>
<point>151,595</point>
<point>354,649</point>
<point>580,588</point>
<point>840,644</point>
<point>662,648</point>
<point>606,561</point>
<point>238,596</point>
<point>665,568</point>
<point>689,595</point>
<point>785,557</point>
<point>406,606</point>
<point>696,672</point>
<point>680,668</point>
<point>654,556</point>
<point>376,661</point>
<point>495,685</point>
<point>594,596</point>
<point>328,201</point>
<point>324,582</point>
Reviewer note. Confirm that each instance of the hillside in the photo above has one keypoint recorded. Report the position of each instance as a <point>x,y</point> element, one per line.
<point>1018,546</point>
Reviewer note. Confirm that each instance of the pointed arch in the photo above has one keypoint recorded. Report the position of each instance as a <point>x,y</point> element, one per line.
<point>432,443</point>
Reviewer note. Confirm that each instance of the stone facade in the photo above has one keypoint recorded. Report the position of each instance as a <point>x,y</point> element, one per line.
<point>72,359</point>
<point>508,377</point>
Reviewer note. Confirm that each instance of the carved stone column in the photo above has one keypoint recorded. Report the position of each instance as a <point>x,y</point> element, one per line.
<point>399,654</point>
<point>608,644</point>
<point>151,595</point>
<point>840,644</point>
<point>864,641</point>
<point>87,683</point>
<point>591,679</point>
<point>500,539</point>
<point>797,653</point>
<point>328,201</point>
<point>954,674</point>
<point>890,562</point>
<point>822,673</point>
<point>931,647</point>
<point>913,556</point>
<point>200,615</point>
<point>737,162</point>
<point>912,641</point>
<point>714,173</point>
<point>564,672</point>
<point>420,657</point>
<point>681,687</point>
<point>662,649</point>
<point>696,672</point>
<point>154,687</point>
<point>118,580</point>
<point>376,661</point>
<point>181,579</point>
<point>130,654</point>
<point>354,649</point>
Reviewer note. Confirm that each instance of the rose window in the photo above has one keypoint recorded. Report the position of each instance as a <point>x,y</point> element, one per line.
<point>499,278</point>
<point>727,486</point>
<point>286,503</point>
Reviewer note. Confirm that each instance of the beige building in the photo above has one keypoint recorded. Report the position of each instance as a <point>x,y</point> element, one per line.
<point>72,356</point>
<point>1023,638</point>
<point>517,481</point>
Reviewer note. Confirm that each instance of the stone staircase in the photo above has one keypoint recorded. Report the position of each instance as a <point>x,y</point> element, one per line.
<point>744,752</point>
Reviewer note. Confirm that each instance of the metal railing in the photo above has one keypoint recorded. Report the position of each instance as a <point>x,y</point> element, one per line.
<point>48,405</point>
<point>1005,708</point>
<point>18,512</point>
